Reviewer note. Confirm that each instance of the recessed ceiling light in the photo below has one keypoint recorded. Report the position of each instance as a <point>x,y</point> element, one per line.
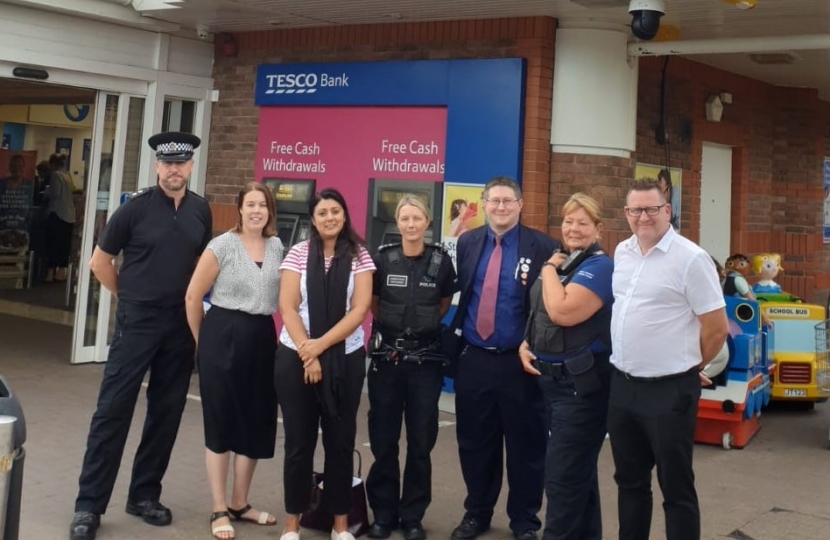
<point>393,16</point>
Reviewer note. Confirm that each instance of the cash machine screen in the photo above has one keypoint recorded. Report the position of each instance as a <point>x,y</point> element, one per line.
<point>388,199</point>
<point>296,191</point>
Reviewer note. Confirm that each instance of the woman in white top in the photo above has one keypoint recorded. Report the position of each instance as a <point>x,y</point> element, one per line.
<point>236,343</point>
<point>325,295</point>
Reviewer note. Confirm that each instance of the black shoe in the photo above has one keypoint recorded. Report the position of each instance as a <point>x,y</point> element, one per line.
<point>529,534</point>
<point>84,526</point>
<point>379,530</point>
<point>469,529</point>
<point>413,531</point>
<point>153,512</point>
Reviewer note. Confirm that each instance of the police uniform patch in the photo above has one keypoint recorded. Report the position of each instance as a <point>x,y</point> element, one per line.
<point>397,281</point>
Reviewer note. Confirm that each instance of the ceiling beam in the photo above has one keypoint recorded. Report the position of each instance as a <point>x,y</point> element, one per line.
<point>734,45</point>
<point>107,11</point>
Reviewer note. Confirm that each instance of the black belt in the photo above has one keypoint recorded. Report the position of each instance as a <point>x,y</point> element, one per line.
<point>658,378</point>
<point>498,350</point>
<point>554,369</point>
<point>410,344</point>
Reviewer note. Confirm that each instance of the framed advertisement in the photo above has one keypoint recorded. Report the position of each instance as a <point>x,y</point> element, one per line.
<point>670,182</point>
<point>63,146</point>
<point>826,177</point>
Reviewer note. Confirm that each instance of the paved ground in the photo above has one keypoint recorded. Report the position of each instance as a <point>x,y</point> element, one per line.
<point>777,488</point>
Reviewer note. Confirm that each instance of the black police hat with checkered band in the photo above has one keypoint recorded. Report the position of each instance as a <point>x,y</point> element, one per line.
<point>174,146</point>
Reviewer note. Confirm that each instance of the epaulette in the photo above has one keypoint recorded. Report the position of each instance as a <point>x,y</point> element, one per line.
<point>140,193</point>
<point>384,247</point>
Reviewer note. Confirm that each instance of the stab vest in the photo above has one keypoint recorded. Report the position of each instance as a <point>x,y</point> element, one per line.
<point>546,337</point>
<point>410,294</point>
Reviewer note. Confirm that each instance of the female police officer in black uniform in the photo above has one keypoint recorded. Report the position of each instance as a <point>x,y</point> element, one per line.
<point>568,343</point>
<point>413,287</point>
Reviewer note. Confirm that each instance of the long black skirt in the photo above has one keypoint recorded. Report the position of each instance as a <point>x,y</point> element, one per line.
<point>236,380</point>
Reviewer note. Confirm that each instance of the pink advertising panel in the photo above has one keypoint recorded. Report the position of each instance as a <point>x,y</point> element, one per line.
<point>343,147</point>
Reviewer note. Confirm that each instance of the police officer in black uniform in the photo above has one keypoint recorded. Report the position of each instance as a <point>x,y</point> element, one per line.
<point>161,232</point>
<point>567,345</point>
<point>413,287</point>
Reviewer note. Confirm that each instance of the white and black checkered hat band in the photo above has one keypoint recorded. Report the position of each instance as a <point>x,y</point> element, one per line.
<point>174,148</point>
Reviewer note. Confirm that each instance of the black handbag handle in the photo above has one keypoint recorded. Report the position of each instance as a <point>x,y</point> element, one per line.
<point>359,463</point>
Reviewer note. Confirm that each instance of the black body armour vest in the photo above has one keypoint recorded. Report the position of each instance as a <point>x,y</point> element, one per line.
<point>410,295</point>
<point>547,337</point>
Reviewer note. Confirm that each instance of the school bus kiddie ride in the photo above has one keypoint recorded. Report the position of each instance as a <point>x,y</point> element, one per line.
<point>797,326</point>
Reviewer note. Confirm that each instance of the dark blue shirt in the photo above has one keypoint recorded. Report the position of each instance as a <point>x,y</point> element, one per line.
<point>510,313</point>
<point>160,244</point>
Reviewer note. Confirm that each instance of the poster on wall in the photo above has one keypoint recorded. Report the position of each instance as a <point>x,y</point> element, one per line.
<point>670,182</point>
<point>16,193</point>
<point>826,227</point>
<point>63,146</point>
<point>462,211</point>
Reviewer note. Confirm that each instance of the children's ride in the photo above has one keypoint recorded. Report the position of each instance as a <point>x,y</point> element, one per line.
<point>729,409</point>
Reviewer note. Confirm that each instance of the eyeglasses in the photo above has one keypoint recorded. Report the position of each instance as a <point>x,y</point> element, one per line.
<point>495,203</point>
<point>637,211</point>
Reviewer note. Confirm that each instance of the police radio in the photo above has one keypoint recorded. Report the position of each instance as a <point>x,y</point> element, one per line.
<point>572,262</point>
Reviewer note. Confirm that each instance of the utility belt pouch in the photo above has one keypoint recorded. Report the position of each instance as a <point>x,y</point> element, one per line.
<point>586,379</point>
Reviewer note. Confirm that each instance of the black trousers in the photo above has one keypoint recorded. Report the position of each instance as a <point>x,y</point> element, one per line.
<point>577,427</point>
<point>498,406</point>
<point>400,392</point>
<point>653,423</point>
<point>145,338</point>
<point>301,416</point>
<point>58,241</point>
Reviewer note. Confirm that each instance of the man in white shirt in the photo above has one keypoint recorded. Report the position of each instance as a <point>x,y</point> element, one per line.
<point>668,322</point>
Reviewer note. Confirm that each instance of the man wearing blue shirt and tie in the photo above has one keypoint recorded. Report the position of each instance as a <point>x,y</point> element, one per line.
<point>498,405</point>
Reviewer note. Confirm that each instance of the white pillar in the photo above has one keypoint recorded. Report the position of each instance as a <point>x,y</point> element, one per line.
<point>594,93</point>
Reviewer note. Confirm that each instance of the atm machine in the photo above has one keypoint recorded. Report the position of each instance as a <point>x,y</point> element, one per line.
<point>292,196</point>
<point>384,196</point>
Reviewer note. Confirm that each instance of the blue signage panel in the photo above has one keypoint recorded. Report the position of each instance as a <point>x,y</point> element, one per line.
<point>484,100</point>
<point>353,83</point>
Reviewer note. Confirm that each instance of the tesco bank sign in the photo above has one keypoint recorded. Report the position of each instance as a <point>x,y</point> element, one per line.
<point>412,82</point>
<point>303,83</point>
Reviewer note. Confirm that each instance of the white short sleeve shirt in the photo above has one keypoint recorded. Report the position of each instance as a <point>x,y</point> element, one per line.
<point>657,299</point>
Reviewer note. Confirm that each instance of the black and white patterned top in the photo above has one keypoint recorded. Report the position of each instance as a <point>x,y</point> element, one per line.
<point>241,284</point>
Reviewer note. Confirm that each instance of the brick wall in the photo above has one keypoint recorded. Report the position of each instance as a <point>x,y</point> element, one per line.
<point>235,117</point>
<point>779,137</point>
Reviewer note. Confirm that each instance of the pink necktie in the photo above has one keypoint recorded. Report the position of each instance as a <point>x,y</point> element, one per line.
<point>486,316</point>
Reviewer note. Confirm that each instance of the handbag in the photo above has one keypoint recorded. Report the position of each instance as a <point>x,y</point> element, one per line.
<point>319,519</point>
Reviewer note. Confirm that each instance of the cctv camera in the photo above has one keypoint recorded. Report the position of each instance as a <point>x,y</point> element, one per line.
<point>202,31</point>
<point>645,17</point>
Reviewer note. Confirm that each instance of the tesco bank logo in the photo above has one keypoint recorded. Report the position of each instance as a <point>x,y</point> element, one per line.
<point>304,83</point>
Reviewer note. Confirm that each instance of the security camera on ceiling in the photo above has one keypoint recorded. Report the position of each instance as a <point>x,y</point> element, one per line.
<point>645,17</point>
